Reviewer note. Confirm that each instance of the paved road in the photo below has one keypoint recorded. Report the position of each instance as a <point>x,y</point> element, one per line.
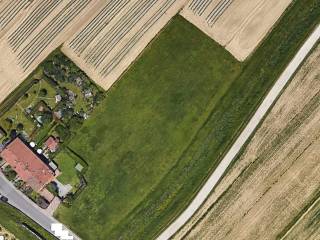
<point>244,136</point>
<point>24,204</point>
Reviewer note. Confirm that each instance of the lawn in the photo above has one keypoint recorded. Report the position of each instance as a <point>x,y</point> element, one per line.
<point>167,123</point>
<point>12,219</point>
<point>67,166</point>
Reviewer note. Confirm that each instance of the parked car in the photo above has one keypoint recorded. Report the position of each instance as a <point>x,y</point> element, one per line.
<point>4,199</point>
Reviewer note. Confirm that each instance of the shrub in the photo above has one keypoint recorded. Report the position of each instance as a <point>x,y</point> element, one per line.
<point>43,92</point>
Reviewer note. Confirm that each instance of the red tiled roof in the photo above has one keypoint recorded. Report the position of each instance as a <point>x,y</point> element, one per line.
<point>27,164</point>
<point>52,144</point>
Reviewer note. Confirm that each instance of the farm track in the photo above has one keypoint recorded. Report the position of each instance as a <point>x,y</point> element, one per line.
<point>274,179</point>
<point>235,149</point>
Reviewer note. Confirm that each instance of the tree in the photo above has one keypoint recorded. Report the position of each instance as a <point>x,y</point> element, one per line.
<point>20,127</point>
<point>43,92</point>
<point>75,123</point>
<point>53,188</point>
<point>8,123</point>
<point>98,97</point>
<point>9,173</point>
<point>62,132</point>
<point>67,112</point>
<point>13,134</point>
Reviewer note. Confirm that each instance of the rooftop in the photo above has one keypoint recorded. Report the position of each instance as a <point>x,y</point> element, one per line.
<point>29,167</point>
<point>52,144</point>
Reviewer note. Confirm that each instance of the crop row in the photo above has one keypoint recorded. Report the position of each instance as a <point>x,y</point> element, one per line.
<point>41,40</point>
<point>135,39</point>
<point>112,37</point>
<point>216,12</point>
<point>199,6</point>
<point>10,11</point>
<point>92,30</point>
<point>34,19</point>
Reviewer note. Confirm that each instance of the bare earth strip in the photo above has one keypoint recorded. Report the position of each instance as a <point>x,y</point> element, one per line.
<point>238,25</point>
<point>277,175</point>
<point>107,45</point>
<point>30,41</point>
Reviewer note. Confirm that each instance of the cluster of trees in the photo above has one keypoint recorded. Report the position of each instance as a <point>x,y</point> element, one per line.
<point>9,173</point>
<point>60,69</point>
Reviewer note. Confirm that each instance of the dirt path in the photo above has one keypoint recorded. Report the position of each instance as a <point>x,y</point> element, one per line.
<point>244,136</point>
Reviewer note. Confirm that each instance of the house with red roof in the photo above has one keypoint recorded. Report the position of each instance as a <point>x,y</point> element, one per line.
<point>27,164</point>
<point>52,144</point>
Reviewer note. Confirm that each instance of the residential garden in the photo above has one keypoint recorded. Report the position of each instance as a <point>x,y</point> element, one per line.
<point>56,101</point>
<point>45,112</point>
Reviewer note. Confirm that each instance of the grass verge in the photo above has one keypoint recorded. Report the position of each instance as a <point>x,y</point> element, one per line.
<point>12,220</point>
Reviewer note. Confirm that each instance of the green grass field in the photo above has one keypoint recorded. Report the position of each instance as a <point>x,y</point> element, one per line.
<point>12,219</point>
<point>67,166</point>
<point>146,122</point>
<point>166,124</point>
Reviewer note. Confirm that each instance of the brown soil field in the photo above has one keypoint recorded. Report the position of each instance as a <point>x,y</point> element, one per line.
<point>45,26</point>
<point>11,12</point>
<point>275,181</point>
<point>115,36</point>
<point>238,25</point>
<point>308,225</point>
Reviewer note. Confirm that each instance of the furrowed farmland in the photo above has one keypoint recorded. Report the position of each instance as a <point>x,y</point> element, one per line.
<point>142,173</point>
<point>272,192</point>
<point>114,38</point>
<point>11,11</point>
<point>44,27</point>
<point>307,226</point>
<point>238,25</point>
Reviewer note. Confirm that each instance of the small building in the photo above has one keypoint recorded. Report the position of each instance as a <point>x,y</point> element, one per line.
<point>88,93</point>
<point>79,167</point>
<point>28,165</point>
<point>53,165</point>
<point>58,114</point>
<point>51,144</point>
<point>58,98</point>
